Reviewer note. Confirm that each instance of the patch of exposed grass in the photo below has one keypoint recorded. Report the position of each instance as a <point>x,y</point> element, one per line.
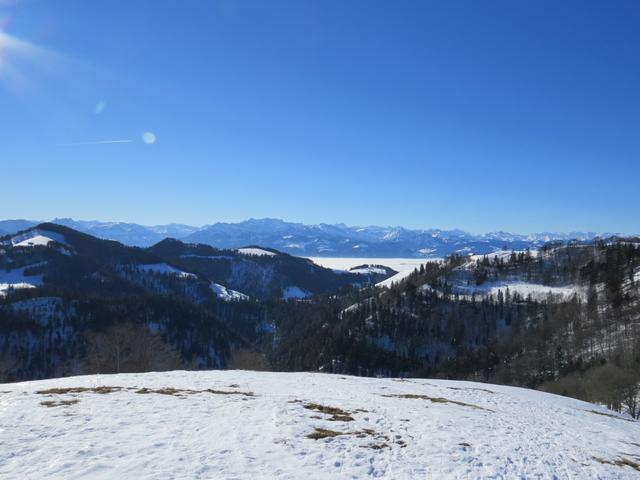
<point>381,441</point>
<point>320,433</point>
<point>179,392</point>
<point>341,418</point>
<point>365,432</point>
<point>437,400</point>
<point>326,433</point>
<point>163,391</point>
<point>620,462</point>
<point>143,390</point>
<point>336,414</point>
<point>58,403</point>
<point>223,392</point>
<point>61,391</point>
<point>325,409</point>
<point>378,446</point>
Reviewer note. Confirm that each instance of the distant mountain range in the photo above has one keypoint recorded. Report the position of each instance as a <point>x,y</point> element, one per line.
<point>75,260</point>
<point>323,240</point>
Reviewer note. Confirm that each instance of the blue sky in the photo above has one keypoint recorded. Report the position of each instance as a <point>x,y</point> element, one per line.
<point>481,115</point>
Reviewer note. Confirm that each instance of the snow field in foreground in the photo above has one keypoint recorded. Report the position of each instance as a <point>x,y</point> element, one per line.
<point>237,424</point>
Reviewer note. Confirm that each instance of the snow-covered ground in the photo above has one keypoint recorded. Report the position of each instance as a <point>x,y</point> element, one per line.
<point>226,294</point>
<point>16,278</point>
<point>248,425</point>
<point>404,266</point>
<point>36,238</point>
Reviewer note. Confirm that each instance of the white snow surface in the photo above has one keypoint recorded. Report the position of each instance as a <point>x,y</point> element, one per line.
<point>225,293</point>
<point>16,278</point>
<point>255,251</point>
<point>493,432</point>
<point>37,238</point>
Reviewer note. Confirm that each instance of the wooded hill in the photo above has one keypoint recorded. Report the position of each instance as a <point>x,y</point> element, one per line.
<point>565,318</point>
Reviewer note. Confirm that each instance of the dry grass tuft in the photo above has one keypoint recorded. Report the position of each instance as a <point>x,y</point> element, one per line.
<point>320,433</point>
<point>378,446</point>
<point>163,391</point>
<point>59,403</point>
<point>620,462</point>
<point>337,414</point>
<point>62,391</point>
<point>143,390</point>
<point>223,392</point>
<point>180,392</point>
<point>437,400</point>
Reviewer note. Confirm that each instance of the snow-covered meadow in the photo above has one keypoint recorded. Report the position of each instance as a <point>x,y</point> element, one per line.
<point>238,424</point>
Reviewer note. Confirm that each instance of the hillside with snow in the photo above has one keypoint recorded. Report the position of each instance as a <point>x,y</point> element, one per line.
<point>239,424</point>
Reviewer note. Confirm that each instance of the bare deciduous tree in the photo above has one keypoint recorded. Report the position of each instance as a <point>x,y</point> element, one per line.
<point>127,348</point>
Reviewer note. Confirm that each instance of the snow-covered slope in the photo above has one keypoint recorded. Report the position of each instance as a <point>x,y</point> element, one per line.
<point>225,293</point>
<point>235,424</point>
<point>37,237</point>
<point>16,278</point>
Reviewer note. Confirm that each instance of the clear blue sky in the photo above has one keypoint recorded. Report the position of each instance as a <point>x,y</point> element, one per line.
<point>481,115</point>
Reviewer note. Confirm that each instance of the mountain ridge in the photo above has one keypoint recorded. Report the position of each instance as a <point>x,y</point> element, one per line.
<point>322,239</point>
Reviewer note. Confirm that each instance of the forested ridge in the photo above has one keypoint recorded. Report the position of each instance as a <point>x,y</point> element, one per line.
<point>565,318</point>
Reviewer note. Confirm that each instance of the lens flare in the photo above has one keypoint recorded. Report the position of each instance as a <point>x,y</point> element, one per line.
<point>149,138</point>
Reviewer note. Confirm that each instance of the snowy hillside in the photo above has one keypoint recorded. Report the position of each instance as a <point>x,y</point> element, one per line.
<point>236,424</point>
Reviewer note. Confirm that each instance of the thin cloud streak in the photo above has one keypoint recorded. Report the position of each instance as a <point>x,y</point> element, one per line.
<point>97,142</point>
